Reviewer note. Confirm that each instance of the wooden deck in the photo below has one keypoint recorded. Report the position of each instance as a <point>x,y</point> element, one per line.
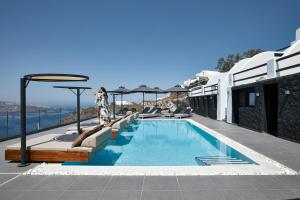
<point>49,156</point>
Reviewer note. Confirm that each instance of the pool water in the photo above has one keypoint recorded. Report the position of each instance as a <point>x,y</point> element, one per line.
<point>165,143</point>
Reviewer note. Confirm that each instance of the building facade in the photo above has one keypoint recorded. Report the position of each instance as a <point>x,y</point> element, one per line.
<point>260,93</point>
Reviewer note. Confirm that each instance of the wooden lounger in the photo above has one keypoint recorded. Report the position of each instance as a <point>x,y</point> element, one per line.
<point>58,148</point>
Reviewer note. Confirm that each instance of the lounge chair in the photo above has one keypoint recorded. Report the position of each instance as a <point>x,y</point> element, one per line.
<point>171,114</point>
<point>155,113</point>
<point>61,147</point>
<point>184,114</point>
<point>146,110</point>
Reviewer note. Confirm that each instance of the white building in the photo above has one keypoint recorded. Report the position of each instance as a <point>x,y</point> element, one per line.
<point>255,92</point>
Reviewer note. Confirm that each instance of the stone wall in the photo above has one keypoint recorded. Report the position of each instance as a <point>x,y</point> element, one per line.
<point>252,117</point>
<point>212,106</point>
<point>289,108</point>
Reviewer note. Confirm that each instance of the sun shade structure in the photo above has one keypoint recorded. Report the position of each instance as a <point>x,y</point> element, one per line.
<point>120,90</point>
<point>158,91</point>
<point>177,89</point>
<point>114,102</point>
<point>78,91</point>
<point>56,77</point>
<point>143,89</point>
<point>23,84</point>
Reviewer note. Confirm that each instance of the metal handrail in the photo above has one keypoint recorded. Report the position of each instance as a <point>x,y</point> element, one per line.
<point>10,131</point>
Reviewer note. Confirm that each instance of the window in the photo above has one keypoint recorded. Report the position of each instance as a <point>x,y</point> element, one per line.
<point>251,99</point>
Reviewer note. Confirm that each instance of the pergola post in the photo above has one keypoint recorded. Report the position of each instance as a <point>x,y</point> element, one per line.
<point>143,101</point>
<point>23,159</point>
<point>121,103</point>
<point>23,84</point>
<point>114,106</point>
<point>177,99</point>
<point>78,110</point>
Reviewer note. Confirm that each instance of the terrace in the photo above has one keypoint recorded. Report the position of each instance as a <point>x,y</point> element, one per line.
<point>15,185</point>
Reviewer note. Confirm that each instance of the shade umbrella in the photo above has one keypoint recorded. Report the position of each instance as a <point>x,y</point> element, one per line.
<point>157,91</point>
<point>78,91</point>
<point>177,89</point>
<point>143,89</point>
<point>23,85</point>
<point>120,90</point>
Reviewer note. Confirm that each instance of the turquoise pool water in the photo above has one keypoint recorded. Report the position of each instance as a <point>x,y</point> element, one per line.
<point>165,143</point>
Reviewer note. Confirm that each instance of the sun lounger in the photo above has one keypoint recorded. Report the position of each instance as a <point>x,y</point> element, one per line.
<point>171,114</point>
<point>60,147</point>
<point>155,113</point>
<point>146,110</point>
<point>184,114</point>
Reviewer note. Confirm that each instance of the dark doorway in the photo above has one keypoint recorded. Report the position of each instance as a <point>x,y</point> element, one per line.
<point>271,107</point>
<point>235,106</point>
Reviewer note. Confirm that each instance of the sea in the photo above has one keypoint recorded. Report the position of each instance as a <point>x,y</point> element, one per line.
<point>10,122</point>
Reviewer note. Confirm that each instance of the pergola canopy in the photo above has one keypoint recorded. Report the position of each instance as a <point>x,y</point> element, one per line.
<point>177,88</point>
<point>120,90</point>
<point>56,77</point>
<point>72,87</point>
<point>158,90</point>
<point>143,88</point>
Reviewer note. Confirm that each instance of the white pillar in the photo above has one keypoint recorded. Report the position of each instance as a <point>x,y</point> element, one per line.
<point>271,68</point>
<point>222,99</point>
<point>229,98</point>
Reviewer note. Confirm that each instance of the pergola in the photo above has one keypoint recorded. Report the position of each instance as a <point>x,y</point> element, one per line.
<point>23,85</point>
<point>177,89</point>
<point>79,91</point>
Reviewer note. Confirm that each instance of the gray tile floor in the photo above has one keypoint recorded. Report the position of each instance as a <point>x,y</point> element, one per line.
<point>161,187</point>
<point>15,186</point>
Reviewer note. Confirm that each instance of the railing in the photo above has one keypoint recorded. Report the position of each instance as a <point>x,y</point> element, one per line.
<point>286,57</point>
<point>265,64</point>
<point>36,121</point>
<point>249,77</point>
<point>213,88</point>
<point>196,88</point>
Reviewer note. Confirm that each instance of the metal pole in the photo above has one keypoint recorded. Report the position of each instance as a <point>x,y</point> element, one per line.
<point>177,99</point>
<point>114,108</point>
<point>60,116</point>
<point>78,111</point>
<point>143,101</point>
<point>39,125</point>
<point>7,123</point>
<point>23,159</point>
<point>121,103</point>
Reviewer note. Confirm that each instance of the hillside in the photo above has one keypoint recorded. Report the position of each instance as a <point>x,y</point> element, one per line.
<point>6,106</point>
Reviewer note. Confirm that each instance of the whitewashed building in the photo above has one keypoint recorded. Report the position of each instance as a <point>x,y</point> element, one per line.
<point>260,93</point>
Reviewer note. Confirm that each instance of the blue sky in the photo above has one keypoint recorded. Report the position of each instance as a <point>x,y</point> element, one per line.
<point>157,43</point>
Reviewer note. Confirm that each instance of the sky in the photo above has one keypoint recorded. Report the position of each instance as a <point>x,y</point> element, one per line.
<point>129,43</point>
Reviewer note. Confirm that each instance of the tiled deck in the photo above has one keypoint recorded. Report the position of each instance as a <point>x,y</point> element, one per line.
<point>15,186</point>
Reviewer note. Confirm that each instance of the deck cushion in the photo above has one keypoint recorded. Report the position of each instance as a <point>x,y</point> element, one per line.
<point>77,142</point>
<point>97,139</point>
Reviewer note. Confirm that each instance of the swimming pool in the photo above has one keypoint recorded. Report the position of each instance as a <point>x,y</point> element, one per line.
<point>165,143</point>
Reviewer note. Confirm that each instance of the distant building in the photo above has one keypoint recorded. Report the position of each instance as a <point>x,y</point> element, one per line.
<point>260,93</point>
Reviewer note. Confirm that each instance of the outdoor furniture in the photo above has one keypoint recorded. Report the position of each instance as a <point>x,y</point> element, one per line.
<point>184,114</point>
<point>23,85</point>
<point>145,110</point>
<point>155,113</point>
<point>171,114</point>
<point>79,91</point>
<point>58,147</point>
<point>178,89</point>
<point>121,90</point>
<point>143,89</point>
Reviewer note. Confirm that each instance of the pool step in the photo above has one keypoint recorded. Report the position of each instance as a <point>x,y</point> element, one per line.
<point>219,160</point>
